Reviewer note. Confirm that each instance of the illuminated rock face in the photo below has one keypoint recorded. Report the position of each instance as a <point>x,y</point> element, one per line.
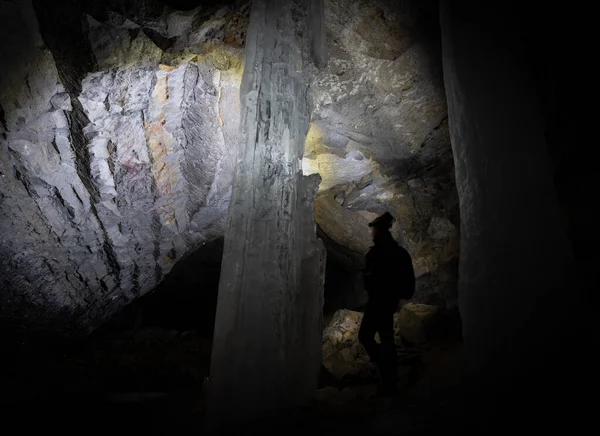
<point>117,140</point>
<point>107,186</point>
<point>379,139</point>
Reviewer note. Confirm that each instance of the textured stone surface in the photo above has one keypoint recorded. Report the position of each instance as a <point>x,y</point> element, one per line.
<point>52,241</point>
<point>118,121</point>
<point>95,213</point>
<point>343,355</point>
<point>379,139</point>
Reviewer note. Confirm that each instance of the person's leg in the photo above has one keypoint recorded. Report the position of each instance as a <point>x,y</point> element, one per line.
<point>366,334</point>
<point>389,358</point>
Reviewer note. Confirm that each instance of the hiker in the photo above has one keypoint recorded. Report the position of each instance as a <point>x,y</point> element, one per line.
<point>388,277</point>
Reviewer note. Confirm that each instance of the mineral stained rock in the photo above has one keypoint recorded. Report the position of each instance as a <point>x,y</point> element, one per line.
<point>118,122</point>
<point>266,346</point>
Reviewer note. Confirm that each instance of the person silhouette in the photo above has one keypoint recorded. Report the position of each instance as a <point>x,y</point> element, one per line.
<point>388,277</point>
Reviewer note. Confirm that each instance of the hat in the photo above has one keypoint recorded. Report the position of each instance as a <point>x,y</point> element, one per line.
<point>383,222</point>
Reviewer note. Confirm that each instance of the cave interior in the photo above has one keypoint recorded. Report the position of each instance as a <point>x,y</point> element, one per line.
<point>119,174</point>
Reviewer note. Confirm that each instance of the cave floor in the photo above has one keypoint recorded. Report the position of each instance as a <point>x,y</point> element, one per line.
<point>151,382</point>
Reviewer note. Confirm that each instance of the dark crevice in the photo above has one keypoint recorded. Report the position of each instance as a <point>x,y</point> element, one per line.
<point>135,278</point>
<point>76,194</point>
<point>159,40</point>
<point>55,146</point>
<point>267,119</point>
<point>26,184</point>
<point>156,227</point>
<point>59,197</point>
<point>428,137</point>
<point>50,267</point>
<point>62,31</point>
<point>27,83</point>
<point>61,200</point>
<point>3,119</point>
<point>133,33</point>
<point>80,277</point>
<point>79,143</point>
<point>172,254</point>
<point>109,252</point>
<point>112,150</point>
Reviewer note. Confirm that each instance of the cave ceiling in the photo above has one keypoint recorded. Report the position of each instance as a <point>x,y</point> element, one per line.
<point>119,124</point>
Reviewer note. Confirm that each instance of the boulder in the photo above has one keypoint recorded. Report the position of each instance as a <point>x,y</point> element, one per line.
<point>343,355</point>
<point>414,322</point>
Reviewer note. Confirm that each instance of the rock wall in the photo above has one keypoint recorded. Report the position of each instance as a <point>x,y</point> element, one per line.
<point>118,121</point>
<point>513,241</point>
<point>52,240</point>
<point>524,283</point>
<point>379,139</point>
<point>111,178</point>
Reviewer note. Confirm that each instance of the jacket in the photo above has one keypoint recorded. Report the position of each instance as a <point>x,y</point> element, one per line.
<point>389,273</point>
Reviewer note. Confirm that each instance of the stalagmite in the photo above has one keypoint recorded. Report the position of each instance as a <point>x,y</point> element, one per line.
<point>266,351</point>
